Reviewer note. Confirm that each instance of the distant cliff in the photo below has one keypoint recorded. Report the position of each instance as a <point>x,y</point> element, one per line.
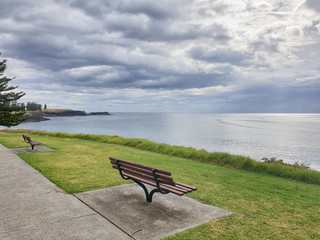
<point>37,116</point>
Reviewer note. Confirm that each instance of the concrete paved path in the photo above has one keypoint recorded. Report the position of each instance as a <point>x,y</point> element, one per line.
<point>32,207</point>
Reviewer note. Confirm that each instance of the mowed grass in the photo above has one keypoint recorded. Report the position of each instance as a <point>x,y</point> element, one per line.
<point>263,206</point>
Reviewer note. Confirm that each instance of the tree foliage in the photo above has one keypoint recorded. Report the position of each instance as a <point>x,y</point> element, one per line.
<point>10,111</point>
<point>33,106</point>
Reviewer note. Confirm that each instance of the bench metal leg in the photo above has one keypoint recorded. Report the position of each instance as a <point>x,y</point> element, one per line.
<point>148,195</point>
<point>154,191</point>
<point>32,147</point>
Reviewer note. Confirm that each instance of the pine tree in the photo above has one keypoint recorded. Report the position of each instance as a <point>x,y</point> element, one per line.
<point>10,112</point>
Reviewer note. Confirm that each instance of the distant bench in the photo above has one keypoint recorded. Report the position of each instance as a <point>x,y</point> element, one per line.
<point>31,142</point>
<point>152,176</point>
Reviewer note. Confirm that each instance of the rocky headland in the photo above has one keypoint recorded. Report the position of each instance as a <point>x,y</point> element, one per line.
<point>38,116</point>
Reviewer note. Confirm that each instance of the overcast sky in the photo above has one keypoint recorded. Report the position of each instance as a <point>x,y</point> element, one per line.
<point>164,56</point>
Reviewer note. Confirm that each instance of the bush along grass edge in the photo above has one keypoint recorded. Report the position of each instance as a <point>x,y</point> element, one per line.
<point>276,168</point>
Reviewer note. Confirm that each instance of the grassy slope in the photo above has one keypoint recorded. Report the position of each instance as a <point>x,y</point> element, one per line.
<point>265,207</point>
<point>222,159</point>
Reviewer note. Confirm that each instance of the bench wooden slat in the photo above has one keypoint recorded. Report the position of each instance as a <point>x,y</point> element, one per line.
<point>187,186</point>
<point>142,175</point>
<point>35,143</point>
<point>150,177</point>
<point>140,166</point>
<point>183,188</point>
<point>162,186</point>
<point>168,187</point>
<point>113,160</point>
<point>26,138</point>
<point>144,171</point>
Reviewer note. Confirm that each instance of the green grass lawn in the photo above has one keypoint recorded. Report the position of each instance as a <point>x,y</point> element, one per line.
<point>264,206</point>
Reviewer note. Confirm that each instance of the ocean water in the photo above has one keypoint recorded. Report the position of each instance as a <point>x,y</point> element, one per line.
<point>291,137</point>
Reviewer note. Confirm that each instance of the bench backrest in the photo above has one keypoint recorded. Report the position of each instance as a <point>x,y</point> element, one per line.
<point>141,171</point>
<point>26,138</point>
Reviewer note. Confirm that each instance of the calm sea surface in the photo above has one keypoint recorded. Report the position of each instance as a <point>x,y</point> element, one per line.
<point>291,137</point>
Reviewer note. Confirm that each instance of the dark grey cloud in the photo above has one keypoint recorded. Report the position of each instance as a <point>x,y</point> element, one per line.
<point>142,78</point>
<point>147,29</point>
<point>45,54</point>
<point>11,8</point>
<point>93,8</point>
<point>155,31</point>
<point>149,21</point>
<point>227,55</point>
<point>157,10</point>
<point>268,98</point>
<point>313,4</point>
<point>313,29</point>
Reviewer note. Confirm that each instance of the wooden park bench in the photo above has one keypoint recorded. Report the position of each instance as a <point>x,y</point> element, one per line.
<point>155,177</point>
<point>31,142</point>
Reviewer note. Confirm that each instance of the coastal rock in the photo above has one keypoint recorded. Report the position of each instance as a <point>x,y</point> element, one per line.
<point>99,113</point>
<point>66,113</point>
<point>38,116</point>
<point>29,117</point>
